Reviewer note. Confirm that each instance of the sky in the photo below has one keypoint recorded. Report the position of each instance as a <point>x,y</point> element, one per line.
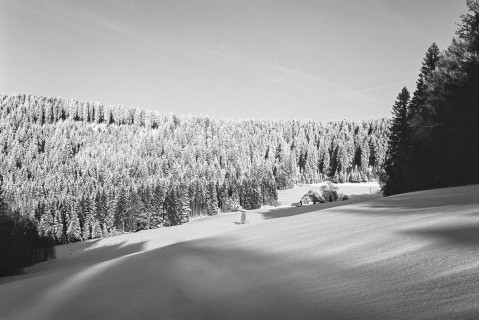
<point>318,60</point>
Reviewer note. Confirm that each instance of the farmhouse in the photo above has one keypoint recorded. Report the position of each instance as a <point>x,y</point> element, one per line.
<point>312,196</point>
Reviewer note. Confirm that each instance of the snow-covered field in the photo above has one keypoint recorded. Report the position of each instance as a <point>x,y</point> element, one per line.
<point>412,256</point>
<point>356,190</point>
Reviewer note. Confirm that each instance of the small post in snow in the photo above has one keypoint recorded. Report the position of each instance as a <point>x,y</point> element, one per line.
<point>243,217</point>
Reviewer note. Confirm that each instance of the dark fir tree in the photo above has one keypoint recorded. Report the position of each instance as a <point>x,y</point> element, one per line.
<point>453,107</point>
<point>443,116</point>
<point>397,153</point>
<point>420,163</point>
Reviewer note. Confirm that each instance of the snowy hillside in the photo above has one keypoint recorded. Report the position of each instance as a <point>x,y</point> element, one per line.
<point>408,256</point>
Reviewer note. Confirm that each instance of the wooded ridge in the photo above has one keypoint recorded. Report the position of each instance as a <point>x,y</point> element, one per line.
<point>83,170</point>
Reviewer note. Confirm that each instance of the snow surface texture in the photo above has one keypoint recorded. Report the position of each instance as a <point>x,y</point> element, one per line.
<point>411,256</point>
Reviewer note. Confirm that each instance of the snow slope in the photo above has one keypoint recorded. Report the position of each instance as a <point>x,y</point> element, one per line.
<point>409,256</point>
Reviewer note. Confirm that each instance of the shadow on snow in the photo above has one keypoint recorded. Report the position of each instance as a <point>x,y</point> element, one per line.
<point>283,212</point>
<point>208,279</point>
<point>463,236</point>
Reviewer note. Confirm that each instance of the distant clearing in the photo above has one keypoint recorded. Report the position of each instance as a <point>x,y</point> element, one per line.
<point>408,256</point>
<point>355,190</point>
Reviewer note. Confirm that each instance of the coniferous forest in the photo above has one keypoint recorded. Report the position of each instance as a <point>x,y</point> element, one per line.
<point>434,136</point>
<point>81,170</point>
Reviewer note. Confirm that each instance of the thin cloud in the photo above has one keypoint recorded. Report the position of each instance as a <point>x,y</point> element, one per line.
<point>103,22</point>
<point>357,91</point>
<point>223,55</point>
<point>288,83</point>
<point>295,73</point>
<point>302,74</point>
<point>65,14</point>
<point>39,10</point>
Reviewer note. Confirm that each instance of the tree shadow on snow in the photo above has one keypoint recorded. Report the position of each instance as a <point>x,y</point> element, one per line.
<point>223,277</point>
<point>417,202</point>
<point>463,236</point>
<point>79,259</point>
<point>431,198</point>
<point>210,279</point>
<point>283,212</point>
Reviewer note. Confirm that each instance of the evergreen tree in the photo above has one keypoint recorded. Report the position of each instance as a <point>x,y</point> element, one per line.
<point>74,230</point>
<point>421,155</point>
<point>451,113</point>
<point>212,199</point>
<point>397,152</point>
<point>459,122</point>
<point>120,210</point>
<point>184,210</point>
<point>88,227</point>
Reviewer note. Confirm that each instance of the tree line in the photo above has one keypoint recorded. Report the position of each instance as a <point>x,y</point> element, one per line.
<point>20,243</point>
<point>434,135</point>
<point>82,170</point>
